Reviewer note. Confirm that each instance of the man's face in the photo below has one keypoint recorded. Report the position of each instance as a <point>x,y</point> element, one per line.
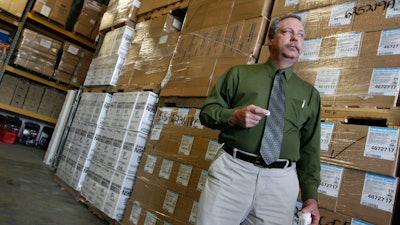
<point>288,41</point>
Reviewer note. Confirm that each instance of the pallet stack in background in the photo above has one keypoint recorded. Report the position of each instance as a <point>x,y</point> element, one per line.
<point>352,57</point>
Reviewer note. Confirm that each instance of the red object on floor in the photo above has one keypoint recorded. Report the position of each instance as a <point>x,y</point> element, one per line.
<point>10,129</point>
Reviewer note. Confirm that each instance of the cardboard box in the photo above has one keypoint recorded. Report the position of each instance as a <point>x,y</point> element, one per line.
<point>356,146</point>
<point>60,11</point>
<point>374,16</point>
<point>367,196</point>
<point>17,7</point>
<point>376,51</point>
<point>8,86</point>
<point>284,7</point>
<point>328,20</point>
<point>330,186</point>
<point>20,93</point>
<point>148,6</point>
<point>247,9</point>
<point>44,7</point>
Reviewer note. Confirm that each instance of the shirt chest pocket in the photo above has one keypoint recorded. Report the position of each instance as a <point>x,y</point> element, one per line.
<point>297,112</point>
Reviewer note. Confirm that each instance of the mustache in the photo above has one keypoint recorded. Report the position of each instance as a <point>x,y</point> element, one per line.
<point>293,44</point>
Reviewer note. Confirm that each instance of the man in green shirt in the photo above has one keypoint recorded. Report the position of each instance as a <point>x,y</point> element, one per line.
<point>241,188</point>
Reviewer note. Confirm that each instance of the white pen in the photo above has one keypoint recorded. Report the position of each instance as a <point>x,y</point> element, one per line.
<point>304,103</point>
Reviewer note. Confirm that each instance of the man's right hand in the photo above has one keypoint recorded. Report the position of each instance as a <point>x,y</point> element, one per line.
<point>248,116</point>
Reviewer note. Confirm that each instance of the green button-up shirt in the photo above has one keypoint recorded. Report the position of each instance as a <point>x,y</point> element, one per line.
<point>243,85</point>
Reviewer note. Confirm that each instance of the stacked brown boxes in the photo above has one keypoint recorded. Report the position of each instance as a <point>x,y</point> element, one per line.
<point>16,8</point>
<point>351,51</point>
<point>73,64</point>
<point>149,56</point>
<point>88,21</point>
<point>120,12</point>
<point>215,36</point>
<point>51,103</point>
<point>37,52</point>
<point>173,169</point>
<point>149,6</point>
<point>56,10</point>
<point>8,86</point>
<point>351,57</point>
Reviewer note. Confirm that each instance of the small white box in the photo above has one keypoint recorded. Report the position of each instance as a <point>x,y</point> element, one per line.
<point>118,195</point>
<point>145,109</point>
<point>131,153</point>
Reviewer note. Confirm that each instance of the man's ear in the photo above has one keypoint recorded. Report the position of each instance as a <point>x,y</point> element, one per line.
<point>269,41</point>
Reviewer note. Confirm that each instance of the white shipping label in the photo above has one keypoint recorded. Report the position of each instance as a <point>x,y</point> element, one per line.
<point>186,144</point>
<point>156,132</point>
<point>150,219</point>
<point>326,135</point>
<point>150,163</point>
<point>181,116</point>
<point>303,15</point>
<point>291,2</point>
<point>311,49</point>
<point>193,212</point>
<point>339,12</point>
<point>379,192</point>
<point>355,221</point>
<point>163,39</point>
<point>393,10</point>
<point>166,168</point>
<point>202,180</point>
<point>327,81</point>
<point>196,120</point>
<point>184,174</point>
<point>389,43</point>
<point>45,43</point>
<point>212,149</point>
<point>331,178</point>
<point>385,81</point>
<point>135,212</point>
<point>170,200</point>
<point>381,143</point>
<point>348,45</point>
<point>45,10</point>
<point>73,50</point>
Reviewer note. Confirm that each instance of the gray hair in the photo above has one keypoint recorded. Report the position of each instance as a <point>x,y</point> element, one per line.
<point>273,28</point>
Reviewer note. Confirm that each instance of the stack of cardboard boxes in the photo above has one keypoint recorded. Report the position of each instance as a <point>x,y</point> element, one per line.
<point>16,8</point>
<point>215,36</point>
<point>73,64</point>
<point>149,56</point>
<point>20,93</point>
<point>105,68</point>
<point>350,56</point>
<point>173,169</point>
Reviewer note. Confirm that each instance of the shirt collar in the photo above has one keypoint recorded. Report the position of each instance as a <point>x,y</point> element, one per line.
<point>288,71</point>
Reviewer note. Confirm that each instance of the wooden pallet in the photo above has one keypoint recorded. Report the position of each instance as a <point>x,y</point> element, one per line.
<point>115,26</point>
<point>131,88</point>
<point>389,116</point>
<point>97,89</point>
<point>163,10</point>
<point>187,102</point>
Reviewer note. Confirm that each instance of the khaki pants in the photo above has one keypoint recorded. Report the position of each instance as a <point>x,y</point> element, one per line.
<point>237,192</point>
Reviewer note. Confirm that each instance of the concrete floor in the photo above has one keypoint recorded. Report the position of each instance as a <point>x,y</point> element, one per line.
<point>30,196</point>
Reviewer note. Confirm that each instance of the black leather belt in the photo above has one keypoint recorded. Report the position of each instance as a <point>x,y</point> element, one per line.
<point>256,160</point>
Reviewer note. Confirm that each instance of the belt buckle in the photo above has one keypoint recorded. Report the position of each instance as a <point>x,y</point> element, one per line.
<point>259,162</point>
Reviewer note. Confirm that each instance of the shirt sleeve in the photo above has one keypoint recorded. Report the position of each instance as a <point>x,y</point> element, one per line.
<point>216,111</point>
<point>309,166</point>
